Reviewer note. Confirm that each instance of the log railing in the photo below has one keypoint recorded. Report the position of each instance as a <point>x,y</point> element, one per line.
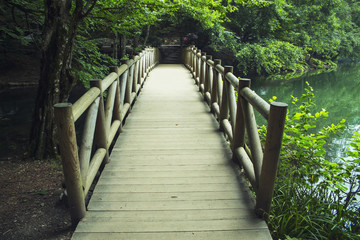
<point>104,118</point>
<point>236,118</point>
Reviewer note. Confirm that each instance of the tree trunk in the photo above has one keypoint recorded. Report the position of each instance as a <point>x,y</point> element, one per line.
<point>123,41</point>
<point>115,46</point>
<point>56,78</point>
<point>135,43</point>
<point>147,34</point>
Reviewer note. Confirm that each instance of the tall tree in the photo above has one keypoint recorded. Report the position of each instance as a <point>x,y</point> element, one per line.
<point>62,19</point>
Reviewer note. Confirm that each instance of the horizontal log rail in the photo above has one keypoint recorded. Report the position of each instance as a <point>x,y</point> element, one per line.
<point>103,120</point>
<point>237,120</point>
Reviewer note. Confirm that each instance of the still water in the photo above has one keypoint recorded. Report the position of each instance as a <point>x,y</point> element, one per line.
<point>336,91</point>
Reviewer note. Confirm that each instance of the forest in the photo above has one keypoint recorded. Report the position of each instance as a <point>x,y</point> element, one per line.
<point>259,38</point>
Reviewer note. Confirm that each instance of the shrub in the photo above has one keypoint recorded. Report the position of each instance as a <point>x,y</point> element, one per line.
<point>270,57</point>
<point>314,198</point>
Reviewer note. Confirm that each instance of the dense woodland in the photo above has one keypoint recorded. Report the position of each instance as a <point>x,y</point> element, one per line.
<point>259,38</point>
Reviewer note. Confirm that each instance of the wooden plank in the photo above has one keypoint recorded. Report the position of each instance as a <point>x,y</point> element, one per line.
<point>181,145</point>
<point>147,97</point>
<point>139,160</point>
<point>166,174</point>
<point>173,153</point>
<point>170,124</point>
<point>151,168</point>
<point>165,205</point>
<point>171,226</point>
<point>169,132</point>
<point>229,195</point>
<point>173,115</point>
<point>171,157</point>
<point>108,188</point>
<point>174,180</point>
<point>167,215</point>
<point>181,139</point>
<point>176,135</point>
<point>244,234</point>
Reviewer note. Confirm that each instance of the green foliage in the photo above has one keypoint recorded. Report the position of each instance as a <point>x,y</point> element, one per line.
<point>314,198</point>
<point>89,63</point>
<point>270,57</point>
<point>126,16</point>
<point>20,20</point>
<point>291,35</point>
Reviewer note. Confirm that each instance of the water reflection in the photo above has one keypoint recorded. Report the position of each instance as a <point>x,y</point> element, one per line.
<point>336,91</point>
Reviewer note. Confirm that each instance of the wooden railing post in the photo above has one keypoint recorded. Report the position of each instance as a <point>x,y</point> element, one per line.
<point>88,139</point>
<point>138,71</point>
<point>152,58</point>
<point>239,133</point>
<point>275,130</point>
<point>147,60</point>
<point>185,56</point>
<point>224,109</point>
<point>141,60</point>
<point>70,160</point>
<point>231,98</point>
<point>128,84</point>
<point>131,80</point>
<point>134,75</point>
<point>191,59</point>
<point>207,81</point>
<point>198,66</point>
<point>202,71</point>
<point>101,132</point>
<point>215,88</point>
<point>117,103</point>
<point>123,82</point>
<point>254,139</point>
<point>194,60</point>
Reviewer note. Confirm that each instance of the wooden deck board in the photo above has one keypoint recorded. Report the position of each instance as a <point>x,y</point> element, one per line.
<point>171,174</point>
<point>191,196</point>
<point>258,234</point>
<point>115,225</point>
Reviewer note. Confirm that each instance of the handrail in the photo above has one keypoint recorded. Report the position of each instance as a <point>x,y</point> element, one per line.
<point>104,119</point>
<point>236,118</point>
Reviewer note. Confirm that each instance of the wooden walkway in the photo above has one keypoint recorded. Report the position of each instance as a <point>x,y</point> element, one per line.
<point>170,175</point>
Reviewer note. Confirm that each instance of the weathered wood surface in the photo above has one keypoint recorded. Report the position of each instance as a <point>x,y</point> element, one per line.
<point>170,174</point>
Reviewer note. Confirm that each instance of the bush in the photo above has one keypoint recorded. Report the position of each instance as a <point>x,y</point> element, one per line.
<point>89,63</point>
<point>314,198</point>
<point>270,57</point>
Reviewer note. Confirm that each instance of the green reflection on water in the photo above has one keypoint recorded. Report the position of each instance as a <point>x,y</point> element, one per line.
<point>336,91</point>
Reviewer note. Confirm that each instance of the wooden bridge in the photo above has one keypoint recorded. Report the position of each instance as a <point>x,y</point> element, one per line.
<point>173,172</point>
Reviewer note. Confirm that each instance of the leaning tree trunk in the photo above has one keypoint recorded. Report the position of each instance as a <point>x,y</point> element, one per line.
<point>56,78</point>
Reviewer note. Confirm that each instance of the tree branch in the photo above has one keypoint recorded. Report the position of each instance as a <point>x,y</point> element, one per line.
<point>23,9</point>
<point>89,6</point>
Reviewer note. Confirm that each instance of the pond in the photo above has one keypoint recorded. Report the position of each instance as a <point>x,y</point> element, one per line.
<point>337,91</point>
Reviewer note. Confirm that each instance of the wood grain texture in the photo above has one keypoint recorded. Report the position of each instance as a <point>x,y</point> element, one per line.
<point>171,174</point>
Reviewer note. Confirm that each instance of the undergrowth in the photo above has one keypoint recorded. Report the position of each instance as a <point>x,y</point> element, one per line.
<point>314,197</point>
